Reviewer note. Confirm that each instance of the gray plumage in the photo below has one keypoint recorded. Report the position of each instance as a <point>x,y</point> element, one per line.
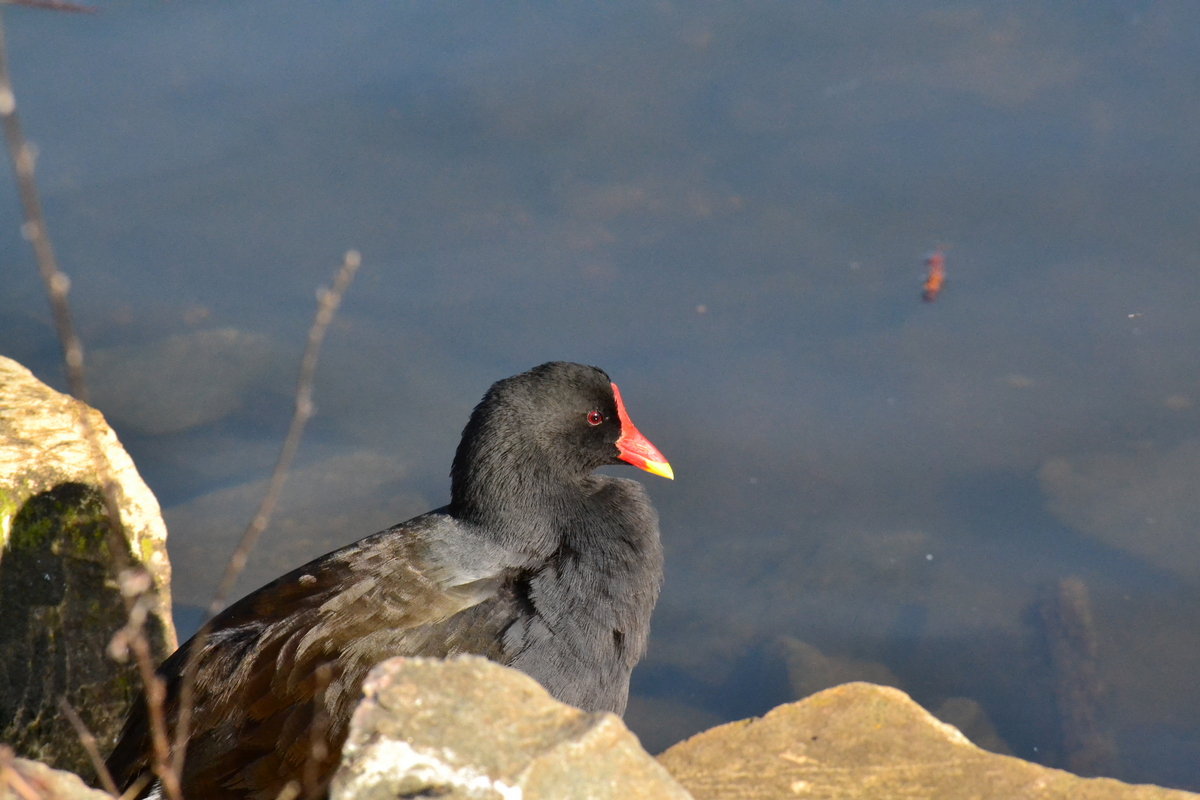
<point>536,563</point>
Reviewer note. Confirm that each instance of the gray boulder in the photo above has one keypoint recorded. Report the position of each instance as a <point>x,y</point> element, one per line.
<point>469,728</point>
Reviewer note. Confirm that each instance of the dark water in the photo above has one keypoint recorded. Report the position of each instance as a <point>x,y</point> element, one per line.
<point>727,207</point>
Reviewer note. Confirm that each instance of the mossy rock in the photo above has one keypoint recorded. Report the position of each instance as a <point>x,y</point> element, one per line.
<point>61,607</point>
<point>59,603</point>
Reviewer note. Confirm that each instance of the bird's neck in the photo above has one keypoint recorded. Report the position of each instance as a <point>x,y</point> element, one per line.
<point>521,508</point>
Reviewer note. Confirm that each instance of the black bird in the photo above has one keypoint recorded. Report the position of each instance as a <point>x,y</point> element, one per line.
<point>536,563</point>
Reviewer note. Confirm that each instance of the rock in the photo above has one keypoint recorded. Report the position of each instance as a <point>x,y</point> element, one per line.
<point>182,381</point>
<point>1142,501</point>
<point>469,728</point>
<point>974,723</point>
<point>322,507</point>
<point>861,740</point>
<point>19,777</point>
<point>659,722</point>
<point>60,602</point>
<point>1068,624</point>
<point>810,671</point>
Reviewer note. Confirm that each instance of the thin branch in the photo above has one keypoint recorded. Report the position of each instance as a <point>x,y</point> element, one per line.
<point>137,600</point>
<point>328,301</point>
<point>54,5</point>
<point>318,747</point>
<point>10,777</point>
<point>136,584</point>
<point>23,155</point>
<point>132,637</point>
<point>136,787</point>
<point>89,743</point>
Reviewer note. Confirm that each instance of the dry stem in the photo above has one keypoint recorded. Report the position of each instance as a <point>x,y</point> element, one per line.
<point>136,585</point>
<point>327,304</point>
<point>54,5</point>
<point>318,748</point>
<point>89,743</point>
<point>57,285</point>
<point>136,787</point>
<point>10,777</point>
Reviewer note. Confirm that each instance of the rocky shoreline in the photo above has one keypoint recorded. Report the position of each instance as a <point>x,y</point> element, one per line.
<point>464,728</point>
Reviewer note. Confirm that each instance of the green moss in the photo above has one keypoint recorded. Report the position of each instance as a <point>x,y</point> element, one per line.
<point>69,520</point>
<point>8,510</point>
<point>146,545</point>
<point>60,609</point>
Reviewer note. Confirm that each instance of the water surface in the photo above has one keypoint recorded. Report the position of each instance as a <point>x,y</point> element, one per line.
<point>726,207</point>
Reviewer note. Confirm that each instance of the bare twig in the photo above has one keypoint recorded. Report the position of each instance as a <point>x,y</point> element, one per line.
<point>327,304</point>
<point>136,583</point>
<point>328,301</point>
<point>34,229</point>
<point>57,285</point>
<point>10,777</point>
<point>136,787</point>
<point>318,748</point>
<point>54,5</point>
<point>23,156</point>
<point>89,743</point>
<point>133,638</point>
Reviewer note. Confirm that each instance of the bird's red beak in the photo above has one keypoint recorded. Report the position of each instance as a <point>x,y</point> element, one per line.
<point>636,449</point>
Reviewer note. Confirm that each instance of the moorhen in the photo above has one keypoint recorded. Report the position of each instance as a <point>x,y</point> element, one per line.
<point>536,563</point>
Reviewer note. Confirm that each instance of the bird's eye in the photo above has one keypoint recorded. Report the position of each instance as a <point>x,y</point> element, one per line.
<point>595,418</point>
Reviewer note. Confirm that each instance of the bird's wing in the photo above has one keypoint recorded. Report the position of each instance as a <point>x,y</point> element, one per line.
<point>290,658</point>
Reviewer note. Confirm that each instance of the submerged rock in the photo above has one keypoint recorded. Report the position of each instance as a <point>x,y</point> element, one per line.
<point>182,381</point>
<point>1070,630</point>
<point>660,722</point>
<point>1142,500</point>
<point>970,717</point>
<point>811,671</point>
<point>323,506</point>
<point>58,595</point>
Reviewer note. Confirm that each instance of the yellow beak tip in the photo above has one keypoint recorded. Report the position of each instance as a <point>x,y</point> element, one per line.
<point>661,468</point>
